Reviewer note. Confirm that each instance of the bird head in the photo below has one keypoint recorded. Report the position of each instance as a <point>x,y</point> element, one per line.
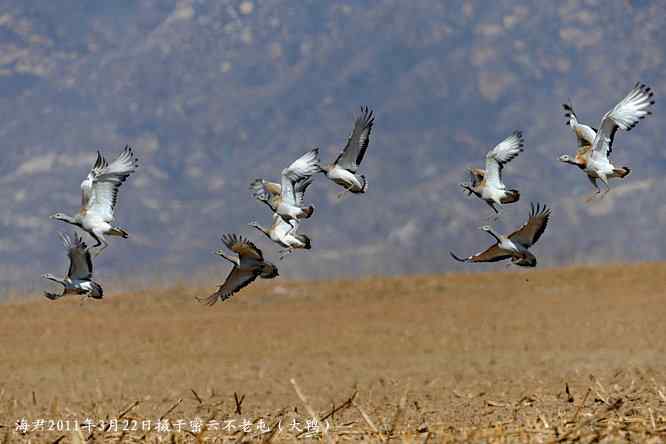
<point>468,189</point>
<point>220,252</point>
<point>486,228</point>
<point>49,276</point>
<point>60,216</point>
<point>565,158</point>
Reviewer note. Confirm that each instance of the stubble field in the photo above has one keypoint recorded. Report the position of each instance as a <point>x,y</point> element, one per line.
<point>552,355</point>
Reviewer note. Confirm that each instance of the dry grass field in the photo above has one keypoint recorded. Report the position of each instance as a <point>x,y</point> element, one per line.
<point>552,355</point>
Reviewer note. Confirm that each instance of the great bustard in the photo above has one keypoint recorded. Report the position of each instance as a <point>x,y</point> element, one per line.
<point>249,265</point>
<point>281,198</point>
<point>99,195</point>
<point>487,184</point>
<point>514,246</point>
<point>595,146</point>
<point>79,276</point>
<point>285,233</point>
<point>343,170</point>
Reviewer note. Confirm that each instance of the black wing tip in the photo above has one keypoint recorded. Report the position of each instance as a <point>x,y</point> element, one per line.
<point>537,209</point>
<point>51,296</point>
<point>229,239</point>
<point>367,116</point>
<point>208,300</point>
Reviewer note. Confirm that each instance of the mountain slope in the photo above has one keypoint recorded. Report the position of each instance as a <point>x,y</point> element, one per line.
<point>213,94</point>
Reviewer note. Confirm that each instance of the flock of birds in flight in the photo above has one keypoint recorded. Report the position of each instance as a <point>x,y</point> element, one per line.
<point>286,199</point>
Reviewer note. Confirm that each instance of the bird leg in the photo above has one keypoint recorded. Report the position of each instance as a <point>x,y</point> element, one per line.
<point>493,217</point>
<point>294,226</point>
<point>606,191</point>
<point>348,189</point>
<point>594,195</point>
<point>94,236</point>
<point>285,252</point>
<point>84,297</point>
<point>104,245</point>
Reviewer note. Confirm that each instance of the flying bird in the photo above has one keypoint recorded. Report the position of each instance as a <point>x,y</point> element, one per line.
<point>487,183</point>
<point>285,233</point>
<point>595,146</point>
<point>281,198</point>
<point>343,170</point>
<point>249,265</point>
<point>99,196</point>
<point>79,276</point>
<point>516,245</point>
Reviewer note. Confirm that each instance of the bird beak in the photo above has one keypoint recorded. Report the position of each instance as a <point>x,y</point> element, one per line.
<point>52,216</point>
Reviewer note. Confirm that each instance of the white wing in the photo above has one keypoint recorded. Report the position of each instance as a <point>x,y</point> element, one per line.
<point>282,228</point>
<point>87,184</point>
<point>106,182</point>
<point>299,190</point>
<point>302,168</point>
<point>504,152</point>
<point>625,115</point>
<point>80,263</point>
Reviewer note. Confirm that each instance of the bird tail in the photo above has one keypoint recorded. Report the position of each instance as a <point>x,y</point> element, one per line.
<point>510,197</point>
<point>622,172</point>
<point>306,240</point>
<point>98,291</point>
<point>269,271</point>
<point>117,231</point>
<point>53,296</point>
<point>364,188</point>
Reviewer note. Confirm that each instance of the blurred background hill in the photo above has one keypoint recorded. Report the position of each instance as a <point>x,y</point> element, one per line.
<point>214,94</point>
